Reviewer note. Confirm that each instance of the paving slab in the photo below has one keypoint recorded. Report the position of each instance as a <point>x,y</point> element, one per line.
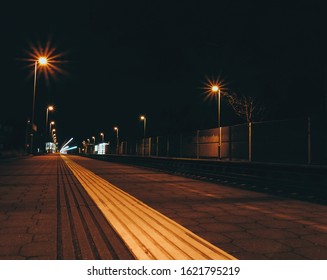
<point>40,203</point>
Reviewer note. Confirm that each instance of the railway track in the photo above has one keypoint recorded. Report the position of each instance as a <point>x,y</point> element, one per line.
<point>297,181</point>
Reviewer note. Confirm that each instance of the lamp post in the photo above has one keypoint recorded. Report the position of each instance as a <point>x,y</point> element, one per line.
<point>102,137</point>
<point>93,140</point>
<point>143,118</point>
<point>116,129</point>
<point>216,89</point>
<point>51,124</point>
<point>49,108</point>
<point>53,135</point>
<point>42,61</point>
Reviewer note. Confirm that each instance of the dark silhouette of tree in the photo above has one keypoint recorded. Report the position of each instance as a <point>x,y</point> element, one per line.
<point>246,107</point>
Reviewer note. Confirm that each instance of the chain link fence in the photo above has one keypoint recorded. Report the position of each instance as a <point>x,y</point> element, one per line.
<point>286,141</point>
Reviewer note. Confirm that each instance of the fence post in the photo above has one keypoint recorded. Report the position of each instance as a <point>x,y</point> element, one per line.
<point>219,142</point>
<point>149,146</point>
<point>197,144</point>
<point>309,140</point>
<point>250,141</point>
<point>181,145</point>
<point>230,142</point>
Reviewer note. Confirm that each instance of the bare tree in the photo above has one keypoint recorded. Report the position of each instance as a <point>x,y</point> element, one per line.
<point>246,107</point>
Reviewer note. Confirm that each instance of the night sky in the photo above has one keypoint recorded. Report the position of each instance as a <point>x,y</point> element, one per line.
<point>121,59</point>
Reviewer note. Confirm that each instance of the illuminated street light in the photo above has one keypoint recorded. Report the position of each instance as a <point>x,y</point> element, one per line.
<point>49,108</point>
<point>51,124</point>
<point>215,89</point>
<point>102,136</point>
<point>42,61</point>
<point>53,134</point>
<point>143,118</point>
<point>116,129</point>
<point>93,139</point>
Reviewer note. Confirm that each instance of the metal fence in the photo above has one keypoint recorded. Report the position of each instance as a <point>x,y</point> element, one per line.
<point>288,141</point>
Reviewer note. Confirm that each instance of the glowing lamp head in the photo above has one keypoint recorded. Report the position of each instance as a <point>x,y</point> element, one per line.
<point>43,60</point>
<point>50,108</point>
<point>214,88</point>
<point>142,118</point>
<point>115,128</point>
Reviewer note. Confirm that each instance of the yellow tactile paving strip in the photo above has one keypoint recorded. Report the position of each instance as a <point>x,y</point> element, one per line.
<point>147,233</point>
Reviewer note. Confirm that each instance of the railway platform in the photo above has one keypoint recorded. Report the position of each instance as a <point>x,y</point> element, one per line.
<point>54,207</point>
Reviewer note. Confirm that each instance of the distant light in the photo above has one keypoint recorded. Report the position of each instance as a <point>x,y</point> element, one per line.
<point>215,88</point>
<point>43,60</point>
<point>64,150</point>
<point>65,145</point>
<point>142,118</point>
<point>115,128</point>
<point>50,108</point>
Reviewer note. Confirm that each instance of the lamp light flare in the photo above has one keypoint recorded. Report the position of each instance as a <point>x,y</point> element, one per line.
<point>43,60</point>
<point>46,59</point>
<point>215,88</point>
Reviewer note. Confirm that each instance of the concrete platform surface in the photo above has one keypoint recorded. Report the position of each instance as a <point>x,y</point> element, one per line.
<point>45,213</point>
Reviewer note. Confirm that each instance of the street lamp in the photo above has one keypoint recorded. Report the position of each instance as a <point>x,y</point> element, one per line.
<point>117,130</point>
<point>143,118</point>
<point>215,89</point>
<point>93,140</point>
<point>51,123</point>
<point>102,136</point>
<point>49,108</point>
<point>42,61</point>
<point>53,134</point>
